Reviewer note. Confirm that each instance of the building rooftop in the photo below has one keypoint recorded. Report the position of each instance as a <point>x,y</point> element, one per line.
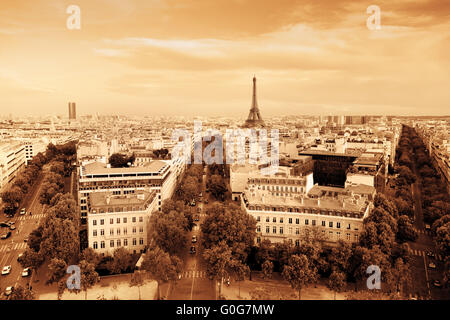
<point>102,201</point>
<point>155,166</point>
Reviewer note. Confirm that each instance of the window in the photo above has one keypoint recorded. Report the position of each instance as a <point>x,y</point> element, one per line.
<point>274,230</point>
<point>356,237</point>
<point>281,220</point>
<point>267,229</point>
<point>258,228</point>
<point>94,222</point>
<point>111,244</point>
<point>118,231</point>
<point>258,240</point>
<point>348,227</point>
<point>330,224</point>
<point>297,231</point>
<point>94,233</point>
<point>338,235</point>
<point>297,243</point>
<point>348,236</point>
<point>134,230</point>
<point>133,219</point>
<point>118,220</point>
<point>281,230</point>
<point>141,229</point>
<point>125,242</point>
<point>313,222</point>
<point>134,241</point>
<point>102,222</point>
<point>118,243</point>
<point>141,219</point>
<point>125,231</point>
<point>124,220</point>
<point>274,219</point>
<point>297,221</point>
<point>102,244</point>
<point>338,225</point>
<point>111,221</point>
<point>102,232</point>
<point>306,222</point>
<point>323,223</point>
<point>95,245</point>
<point>267,219</point>
<point>141,241</point>
<point>258,219</point>
<point>290,220</point>
<point>111,232</point>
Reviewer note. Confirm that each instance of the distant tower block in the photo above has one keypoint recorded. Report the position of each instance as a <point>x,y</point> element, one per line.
<point>254,117</point>
<point>72,111</point>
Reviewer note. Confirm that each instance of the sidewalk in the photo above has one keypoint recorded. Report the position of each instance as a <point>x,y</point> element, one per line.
<point>109,288</point>
<point>279,288</point>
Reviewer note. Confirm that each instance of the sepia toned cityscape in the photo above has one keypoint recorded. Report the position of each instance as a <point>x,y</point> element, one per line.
<point>224,150</point>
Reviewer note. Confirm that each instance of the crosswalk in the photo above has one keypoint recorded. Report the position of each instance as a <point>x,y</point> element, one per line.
<point>193,274</point>
<point>13,246</point>
<point>28,217</point>
<point>422,253</point>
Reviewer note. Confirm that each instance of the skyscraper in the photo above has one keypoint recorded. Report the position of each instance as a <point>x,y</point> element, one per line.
<point>72,111</point>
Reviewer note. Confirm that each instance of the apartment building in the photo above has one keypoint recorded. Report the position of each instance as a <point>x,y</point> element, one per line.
<point>158,175</point>
<point>120,221</point>
<point>294,179</point>
<point>336,213</point>
<point>12,159</point>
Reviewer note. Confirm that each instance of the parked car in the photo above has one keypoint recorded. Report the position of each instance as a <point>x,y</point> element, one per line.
<point>19,257</point>
<point>431,265</point>
<point>430,254</point>
<point>193,250</point>
<point>194,239</point>
<point>6,270</point>
<point>23,211</point>
<point>9,290</point>
<point>437,283</point>
<point>12,227</point>
<point>6,235</point>
<point>4,224</point>
<point>26,272</point>
<point>196,218</point>
<point>427,227</point>
<point>26,239</point>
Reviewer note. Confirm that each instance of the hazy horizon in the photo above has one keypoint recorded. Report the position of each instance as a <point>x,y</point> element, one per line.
<point>198,57</point>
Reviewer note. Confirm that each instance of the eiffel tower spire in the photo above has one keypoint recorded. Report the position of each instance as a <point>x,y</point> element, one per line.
<point>254,117</point>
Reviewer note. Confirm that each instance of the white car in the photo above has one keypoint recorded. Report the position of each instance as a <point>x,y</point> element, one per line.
<point>26,272</point>
<point>23,211</point>
<point>8,290</point>
<point>6,270</point>
<point>432,265</point>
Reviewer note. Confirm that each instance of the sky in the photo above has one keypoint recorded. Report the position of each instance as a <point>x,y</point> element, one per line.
<point>198,57</point>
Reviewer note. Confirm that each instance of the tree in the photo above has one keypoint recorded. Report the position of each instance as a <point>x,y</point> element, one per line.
<point>442,239</point>
<point>121,261</point>
<point>169,231</point>
<point>11,199</point>
<point>219,261</point>
<point>118,160</point>
<point>59,239</point>
<point>267,269</point>
<point>400,276</point>
<point>336,282</point>
<point>56,270</point>
<point>217,187</point>
<point>240,271</point>
<point>91,256</point>
<point>299,272</point>
<point>231,225</point>
<point>35,239</point>
<point>21,293</point>
<point>339,257</point>
<point>137,280</point>
<point>89,277</point>
<point>159,265</point>
<point>406,231</point>
<point>31,258</point>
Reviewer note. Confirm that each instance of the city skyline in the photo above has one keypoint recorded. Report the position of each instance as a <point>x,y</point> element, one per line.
<point>198,58</point>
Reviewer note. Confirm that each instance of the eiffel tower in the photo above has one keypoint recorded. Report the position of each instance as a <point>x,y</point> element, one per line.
<point>254,117</point>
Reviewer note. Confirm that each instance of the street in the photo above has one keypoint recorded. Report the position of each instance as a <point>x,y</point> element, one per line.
<point>13,246</point>
<point>194,283</point>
